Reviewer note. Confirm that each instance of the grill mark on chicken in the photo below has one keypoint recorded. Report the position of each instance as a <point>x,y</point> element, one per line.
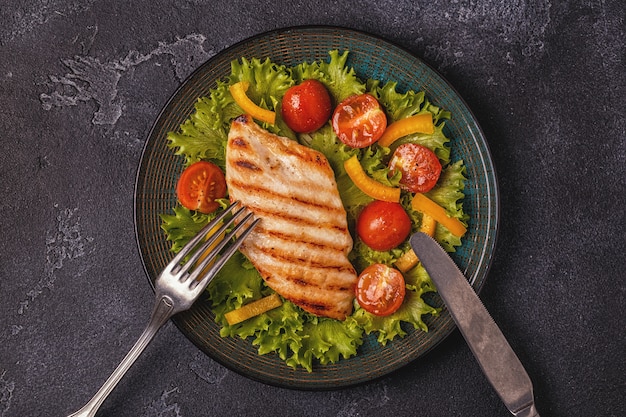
<point>312,245</point>
<point>303,283</point>
<point>302,261</point>
<point>317,308</point>
<point>247,165</point>
<point>300,247</point>
<point>307,157</point>
<point>278,196</point>
<point>239,142</point>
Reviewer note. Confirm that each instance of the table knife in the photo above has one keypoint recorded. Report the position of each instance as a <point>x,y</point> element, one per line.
<point>499,363</point>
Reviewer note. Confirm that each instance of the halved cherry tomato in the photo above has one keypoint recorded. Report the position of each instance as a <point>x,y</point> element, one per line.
<point>359,120</point>
<point>306,107</point>
<point>199,185</point>
<point>383,225</point>
<point>419,166</point>
<point>380,289</point>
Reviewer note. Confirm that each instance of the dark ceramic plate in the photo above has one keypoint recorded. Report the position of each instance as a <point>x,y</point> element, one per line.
<point>371,57</point>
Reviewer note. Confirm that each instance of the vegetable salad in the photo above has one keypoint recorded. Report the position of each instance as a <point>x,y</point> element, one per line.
<point>299,338</point>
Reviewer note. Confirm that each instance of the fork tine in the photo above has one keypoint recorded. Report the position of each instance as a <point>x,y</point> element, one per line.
<point>200,251</point>
<point>228,253</point>
<point>174,264</point>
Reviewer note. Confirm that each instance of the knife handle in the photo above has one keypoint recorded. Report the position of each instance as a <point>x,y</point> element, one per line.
<point>531,411</point>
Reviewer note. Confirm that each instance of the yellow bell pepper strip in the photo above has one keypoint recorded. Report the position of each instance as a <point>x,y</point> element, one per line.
<point>425,205</point>
<point>368,185</point>
<point>409,259</point>
<point>209,249</point>
<point>428,225</point>
<point>419,123</point>
<point>238,91</point>
<point>253,309</point>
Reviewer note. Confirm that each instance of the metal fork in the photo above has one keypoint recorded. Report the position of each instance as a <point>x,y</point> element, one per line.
<point>180,284</point>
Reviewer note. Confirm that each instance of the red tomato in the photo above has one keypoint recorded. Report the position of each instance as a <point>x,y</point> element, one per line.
<point>199,185</point>
<point>359,120</point>
<point>419,165</point>
<point>380,289</point>
<point>383,225</point>
<point>306,107</point>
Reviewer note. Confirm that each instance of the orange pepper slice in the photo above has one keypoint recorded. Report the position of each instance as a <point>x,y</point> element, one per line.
<point>425,205</point>
<point>428,225</point>
<point>209,249</point>
<point>409,259</point>
<point>419,123</point>
<point>253,309</point>
<point>238,91</point>
<point>368,185</point>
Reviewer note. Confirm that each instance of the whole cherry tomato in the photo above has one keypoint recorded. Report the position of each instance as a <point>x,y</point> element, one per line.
<point>359,120</point>
<point>419,166</point>
<point>383,225</point>
<point>380,289</point>
<point>199,185</point>
<point>306,107</point>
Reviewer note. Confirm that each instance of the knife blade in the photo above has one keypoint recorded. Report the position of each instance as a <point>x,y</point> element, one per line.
<point>495,356</point>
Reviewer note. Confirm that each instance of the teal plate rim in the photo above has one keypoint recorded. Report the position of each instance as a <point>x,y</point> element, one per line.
<point>372,57</point>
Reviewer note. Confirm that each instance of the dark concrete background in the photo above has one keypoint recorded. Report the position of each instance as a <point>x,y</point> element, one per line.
<point>81,82</point>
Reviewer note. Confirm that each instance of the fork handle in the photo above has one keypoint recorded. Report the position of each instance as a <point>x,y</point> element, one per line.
<point>160,314</point>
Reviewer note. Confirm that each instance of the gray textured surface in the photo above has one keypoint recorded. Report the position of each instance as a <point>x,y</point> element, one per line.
<point>81,83</point>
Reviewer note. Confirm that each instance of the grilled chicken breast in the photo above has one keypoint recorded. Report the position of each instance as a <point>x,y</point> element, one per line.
<point>300,247</point>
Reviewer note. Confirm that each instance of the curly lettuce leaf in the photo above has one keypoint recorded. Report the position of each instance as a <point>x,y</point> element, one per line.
<point>448,193</point>
<point>268,84</point>
<point>181,226</point>
<point>362,255</point>
<point>197,138</point>
<point>329,340</point>
<point>237,283</point>
<point>374,162</point>
<point>397,106</point>
<point>339,78</point>
<point>268,81</point>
